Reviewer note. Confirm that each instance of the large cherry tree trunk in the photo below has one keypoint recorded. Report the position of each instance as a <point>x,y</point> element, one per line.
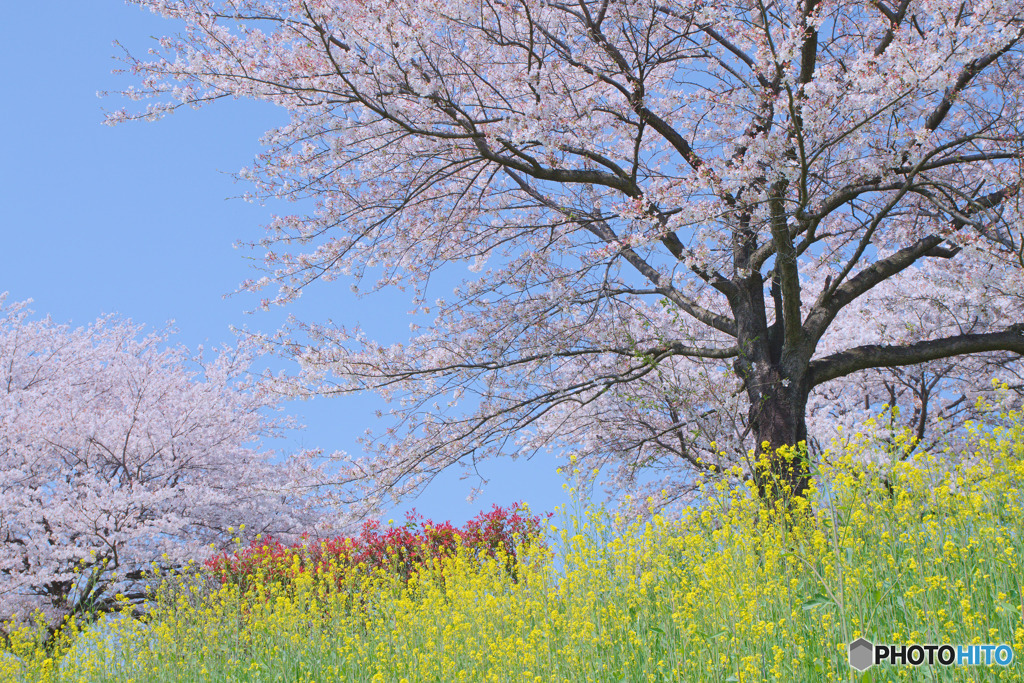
<point>777,420</point>
<point>775,373</point>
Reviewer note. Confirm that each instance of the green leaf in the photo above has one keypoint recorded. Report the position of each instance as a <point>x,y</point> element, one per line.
<point>1003,605</point>
<point>817,601</point>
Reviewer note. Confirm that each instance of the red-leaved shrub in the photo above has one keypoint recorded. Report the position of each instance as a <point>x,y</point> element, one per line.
<point>398,550</point>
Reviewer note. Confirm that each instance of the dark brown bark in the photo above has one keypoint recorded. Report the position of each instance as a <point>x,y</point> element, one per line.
<point>880,356</point>
<point>778,422</point>
<point>773,366</point>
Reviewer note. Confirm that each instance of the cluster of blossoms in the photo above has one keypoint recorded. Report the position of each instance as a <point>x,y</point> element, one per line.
<point>690,227</point>
<point>120,450</point>
<point>396,550</point>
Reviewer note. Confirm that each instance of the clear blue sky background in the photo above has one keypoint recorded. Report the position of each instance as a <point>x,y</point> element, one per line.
<point>139,220</point>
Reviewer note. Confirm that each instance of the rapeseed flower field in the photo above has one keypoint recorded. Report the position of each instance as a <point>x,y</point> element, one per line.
<point>919,547</point>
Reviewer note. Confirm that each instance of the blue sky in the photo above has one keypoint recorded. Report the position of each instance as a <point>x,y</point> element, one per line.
<point>140,220</point>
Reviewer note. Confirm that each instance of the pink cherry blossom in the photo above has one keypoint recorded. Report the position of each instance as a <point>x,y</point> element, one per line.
<point>690,226</point>
<point>120,454</point>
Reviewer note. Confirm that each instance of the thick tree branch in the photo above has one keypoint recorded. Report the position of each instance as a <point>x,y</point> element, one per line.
<point>878,356</point>
<point>599,227</point>
<point>970,71</point>
<point>556,175</point>
<point>829,305</point>
<point>809,50</point>
<point>787,269</point>
<point>895,20</point>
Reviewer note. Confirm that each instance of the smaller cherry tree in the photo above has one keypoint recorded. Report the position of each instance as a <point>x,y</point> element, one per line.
<point>121,454</point>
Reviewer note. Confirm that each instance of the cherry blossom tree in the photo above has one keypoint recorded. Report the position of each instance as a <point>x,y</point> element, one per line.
<point>689,224</point>
<point>119,455</point>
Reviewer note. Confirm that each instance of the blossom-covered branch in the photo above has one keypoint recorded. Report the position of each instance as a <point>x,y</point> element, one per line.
<point>759,186</point>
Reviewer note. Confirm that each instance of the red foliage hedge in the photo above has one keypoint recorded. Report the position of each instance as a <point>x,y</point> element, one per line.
<point>398,550</point>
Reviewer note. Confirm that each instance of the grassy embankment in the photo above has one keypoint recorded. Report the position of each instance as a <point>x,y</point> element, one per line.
<point>912,551</point>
